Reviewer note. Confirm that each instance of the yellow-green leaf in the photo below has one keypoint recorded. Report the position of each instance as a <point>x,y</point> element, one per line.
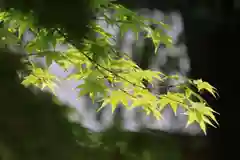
<point>201,85</point>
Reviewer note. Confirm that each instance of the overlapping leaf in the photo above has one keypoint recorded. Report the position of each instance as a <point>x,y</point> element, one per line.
<point>201,85</point>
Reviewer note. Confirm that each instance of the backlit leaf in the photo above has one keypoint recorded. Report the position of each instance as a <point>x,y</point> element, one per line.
<point>201,85</point>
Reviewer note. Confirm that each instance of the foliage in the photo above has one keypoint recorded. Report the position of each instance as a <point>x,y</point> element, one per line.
<point>34,127</point>
<point>110,76</point>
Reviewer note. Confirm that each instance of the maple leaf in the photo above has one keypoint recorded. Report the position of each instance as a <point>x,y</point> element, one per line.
<point>201,114</point>
<point>205,110</point>
<point>92,85</point>
<point>116,97</point>
<point>201,85</point>
<point>173,99</point>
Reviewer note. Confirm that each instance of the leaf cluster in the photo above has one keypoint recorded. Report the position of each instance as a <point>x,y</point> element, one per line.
<point>110,76</point>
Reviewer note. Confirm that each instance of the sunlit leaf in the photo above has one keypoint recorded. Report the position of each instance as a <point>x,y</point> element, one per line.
<point>173,99</point>
<point>201,85</point>
<point>204,110</point>
<point>29,80</point>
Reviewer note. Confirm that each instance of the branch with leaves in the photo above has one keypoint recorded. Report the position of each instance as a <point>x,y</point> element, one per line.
<point>107,72</point>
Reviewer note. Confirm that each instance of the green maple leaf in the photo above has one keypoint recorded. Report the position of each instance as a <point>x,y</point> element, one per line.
<point>201,114</point>
<point>116,97</point>
<point>29,80</point>
<point>173,99</point>
<point>150,75</point>
<point>143,97</point>
<point>163,102</point>
<point>50,56</point>
<point>148,101</point>
<point>125,27</point>
<point>192,117</point>
<point>205,110</point>
<point>201,85</point>
<point>91,87</point>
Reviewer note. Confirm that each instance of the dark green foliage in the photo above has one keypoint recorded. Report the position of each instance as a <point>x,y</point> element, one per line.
<point>71,17</point>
